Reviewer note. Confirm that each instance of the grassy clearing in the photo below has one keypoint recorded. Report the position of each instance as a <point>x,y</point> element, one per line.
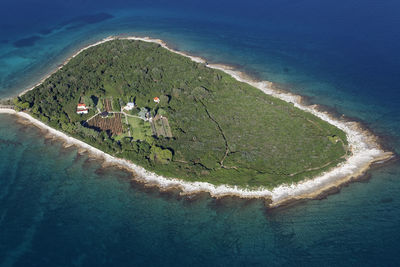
<point>140,129</point>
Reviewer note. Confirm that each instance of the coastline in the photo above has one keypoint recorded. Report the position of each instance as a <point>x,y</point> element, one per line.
<point>363,145</point>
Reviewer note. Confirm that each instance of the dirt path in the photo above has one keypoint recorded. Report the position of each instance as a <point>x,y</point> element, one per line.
<point>92,117</point>
<point>129,126</point>
<point>227,150</point>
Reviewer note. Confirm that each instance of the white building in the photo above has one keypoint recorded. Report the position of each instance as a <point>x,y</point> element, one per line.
<point>129,106</point>
<point>82,109</point>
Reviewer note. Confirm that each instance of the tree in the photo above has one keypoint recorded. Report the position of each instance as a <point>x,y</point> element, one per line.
<point>163,156</point>
<point>20,105</point>
<point>88,101</point>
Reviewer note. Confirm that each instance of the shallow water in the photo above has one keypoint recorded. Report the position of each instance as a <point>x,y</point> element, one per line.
<point>60,208</point>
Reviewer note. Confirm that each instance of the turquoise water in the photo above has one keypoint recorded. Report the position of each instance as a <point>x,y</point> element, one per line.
<point>61,208</point>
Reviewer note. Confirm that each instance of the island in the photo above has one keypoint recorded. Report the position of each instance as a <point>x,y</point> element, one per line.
<point>185,123</point>
<point>138,101</point>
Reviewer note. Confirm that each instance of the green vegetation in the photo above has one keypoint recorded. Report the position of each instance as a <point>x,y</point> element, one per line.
<point>20,105</point>
<point>116,105</point>
<point>223,131</point>
<point>140,129</point>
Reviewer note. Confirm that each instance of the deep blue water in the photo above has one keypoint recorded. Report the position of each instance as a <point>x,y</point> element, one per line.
<point>61,208</point>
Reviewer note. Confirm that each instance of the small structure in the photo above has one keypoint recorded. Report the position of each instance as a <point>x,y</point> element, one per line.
<point>129,106</point>
<point>156,99</point>
<point>82,109</point>
<point>148,115</point>
<point>143,113</point>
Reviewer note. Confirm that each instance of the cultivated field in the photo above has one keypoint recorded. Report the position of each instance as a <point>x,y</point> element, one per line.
<point>107,105</point>
<point>160,126</point>
<point>111,124</point>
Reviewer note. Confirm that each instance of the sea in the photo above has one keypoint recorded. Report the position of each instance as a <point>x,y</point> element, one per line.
<point>60,207</point>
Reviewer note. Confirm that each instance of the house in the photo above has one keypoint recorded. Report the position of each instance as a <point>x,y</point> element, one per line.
<point>82,109</point>
<point>156,99</point>
<point>129,106</point>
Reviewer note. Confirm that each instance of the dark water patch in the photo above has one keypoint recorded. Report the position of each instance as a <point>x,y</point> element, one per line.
<point>229,203</point>
<point>108,171</point>
<point>118,173</point>
<point>141,186</point>
<point>365,178</point>
<point>46,31</point>
<point>4,41</point>
<point>26,42</point>
<point>67,150</point>
<point>78,157</point>
<point>26,128</point>
<point>75,27</point>
<point>386,200</point>
<point>247,203</point>
<point>100,171</point>
<point>172,194</point>
<point>189,200</point>
<point>5,142</point>
<point>390,163</point>
<point>51,140</point>
<point>89,19</point>
<point>96,18</point>
<point>91,163</point>
<point>284,207</point>
<point>235,202</point>
<point>387,141</point>
<point>153,189</point>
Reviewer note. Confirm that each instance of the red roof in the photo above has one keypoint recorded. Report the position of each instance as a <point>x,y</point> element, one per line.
<point>81,105</point>
<point>156,99</point>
